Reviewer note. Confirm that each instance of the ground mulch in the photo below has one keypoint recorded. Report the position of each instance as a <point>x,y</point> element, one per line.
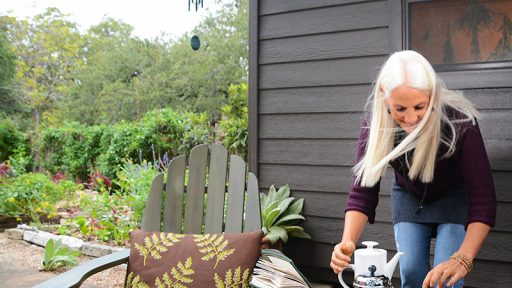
<point>23,259</point>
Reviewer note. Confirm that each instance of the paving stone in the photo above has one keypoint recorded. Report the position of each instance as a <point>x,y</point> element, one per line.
<point>96,250</point>
<point>41,237</point>
<point>13,233</point>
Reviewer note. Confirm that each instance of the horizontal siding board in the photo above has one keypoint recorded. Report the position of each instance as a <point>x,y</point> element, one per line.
<point>493,125</point>
<point>319,126</point>
<point>308,152</point>
<point>336,152</point>
<point>500,153</point>
<point>496,124</point>
<point>352,98</point>
<point>328,230</point>
<point>323,20</point>
<point>313,178</point>
<point>320,73</point>
<point>279,6</point>
<point>499,78</point>
<point>332,205</point>
<point>490,98</point>
<point>349,98</point>
<point>335,179</point>
<point>325,46</point>
<point>502,184</point>
<point>485,273</point>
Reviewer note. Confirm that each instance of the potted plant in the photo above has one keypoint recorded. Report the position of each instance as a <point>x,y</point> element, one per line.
<point>280,216</point>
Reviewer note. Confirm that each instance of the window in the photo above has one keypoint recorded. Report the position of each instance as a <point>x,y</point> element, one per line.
<point>461,34</point>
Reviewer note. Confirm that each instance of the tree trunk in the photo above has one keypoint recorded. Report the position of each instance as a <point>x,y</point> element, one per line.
<point>36,115</point>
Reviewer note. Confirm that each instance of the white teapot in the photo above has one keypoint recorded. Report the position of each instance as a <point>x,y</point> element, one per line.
<point>370,267</point>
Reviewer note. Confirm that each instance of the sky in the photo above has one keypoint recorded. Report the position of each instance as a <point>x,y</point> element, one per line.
<point>148,17</point>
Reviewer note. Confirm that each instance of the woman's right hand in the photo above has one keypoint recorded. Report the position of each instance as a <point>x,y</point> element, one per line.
<point>341,255</point>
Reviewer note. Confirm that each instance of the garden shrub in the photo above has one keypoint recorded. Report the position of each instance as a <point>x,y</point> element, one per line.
<point>11,139</point>
<point>234,123</point>
<point>33,195</point>
<point>135,181</point>
<point>197,131</point>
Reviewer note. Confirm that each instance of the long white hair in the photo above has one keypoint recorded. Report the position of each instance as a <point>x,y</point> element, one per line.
<point>413,70</point>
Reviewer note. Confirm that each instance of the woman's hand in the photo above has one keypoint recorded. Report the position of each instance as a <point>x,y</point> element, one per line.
<point>450,269</point>
<point>341,255</point>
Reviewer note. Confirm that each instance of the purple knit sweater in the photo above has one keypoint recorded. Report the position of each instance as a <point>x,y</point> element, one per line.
<point>468,167</point>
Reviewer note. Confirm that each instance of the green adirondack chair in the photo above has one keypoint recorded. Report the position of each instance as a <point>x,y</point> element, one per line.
<point>238,218</point>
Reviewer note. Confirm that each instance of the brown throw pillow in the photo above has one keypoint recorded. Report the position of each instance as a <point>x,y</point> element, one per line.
<point>187,260</point>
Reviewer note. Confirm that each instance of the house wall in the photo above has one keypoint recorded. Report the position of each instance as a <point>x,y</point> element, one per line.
<point>311,68</point>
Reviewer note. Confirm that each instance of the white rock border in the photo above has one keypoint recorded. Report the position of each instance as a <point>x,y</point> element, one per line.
<point>38,237</point>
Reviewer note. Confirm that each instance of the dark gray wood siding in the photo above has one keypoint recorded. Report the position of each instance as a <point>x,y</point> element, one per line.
<point>312,65</point>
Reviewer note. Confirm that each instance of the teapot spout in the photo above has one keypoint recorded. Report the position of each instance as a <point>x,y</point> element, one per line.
<point>390,266</point>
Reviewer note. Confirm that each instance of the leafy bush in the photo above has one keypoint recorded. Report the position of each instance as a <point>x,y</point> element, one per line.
<point>234,123</point>
<point>280,215</point>
<point>56,255</point>
<point>106,217</point>
<point>10,139</point>
<point>196,130</point>
<point>135,182</point>
<point>33,195</point>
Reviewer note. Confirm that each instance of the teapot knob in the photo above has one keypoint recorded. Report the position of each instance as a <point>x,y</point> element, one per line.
<point>370,244</point>
<point>372,270</point>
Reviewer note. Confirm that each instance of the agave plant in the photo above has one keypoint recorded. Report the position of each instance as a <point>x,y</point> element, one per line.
<point>280,215</point>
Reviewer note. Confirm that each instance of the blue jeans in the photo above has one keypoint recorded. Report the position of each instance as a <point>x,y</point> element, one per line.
<point>413,239</point>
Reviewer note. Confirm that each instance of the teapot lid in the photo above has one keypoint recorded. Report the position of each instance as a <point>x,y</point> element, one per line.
<point>370,250</point>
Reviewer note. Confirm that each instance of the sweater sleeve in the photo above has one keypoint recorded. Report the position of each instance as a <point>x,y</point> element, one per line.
<point>476,172</point>
<point>363,199</point>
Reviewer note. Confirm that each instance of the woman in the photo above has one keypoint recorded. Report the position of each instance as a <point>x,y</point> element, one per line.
<point>442,184</point>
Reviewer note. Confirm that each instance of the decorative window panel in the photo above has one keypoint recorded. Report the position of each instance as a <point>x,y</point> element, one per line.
<point>454,33</point>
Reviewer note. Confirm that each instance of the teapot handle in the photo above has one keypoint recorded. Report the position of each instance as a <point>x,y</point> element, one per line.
<point>340,275</point>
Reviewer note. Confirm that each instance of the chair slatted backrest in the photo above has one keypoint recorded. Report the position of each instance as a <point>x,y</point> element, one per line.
<point>207,174</point>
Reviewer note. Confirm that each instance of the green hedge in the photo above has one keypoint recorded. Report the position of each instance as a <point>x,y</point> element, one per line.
<point>79,150</point>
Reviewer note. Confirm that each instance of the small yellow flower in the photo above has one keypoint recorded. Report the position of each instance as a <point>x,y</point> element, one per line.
<point>100,180</point>
<point>39,210</point>
<point>45,204</point>
<point>11,200</point>
<point>102,189</point>
<point>18,219</point>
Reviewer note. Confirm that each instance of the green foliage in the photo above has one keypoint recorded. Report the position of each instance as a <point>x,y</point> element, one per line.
<point>49,50</point>
<point>135,182</point>
<point>235,121</point>
<point>80,150</point>
<point>10,139</point>
<point>196,130</point>
<point>9,103</point>
<point>280,215</point>
<point>56,255</point>
<point>32,195</point>
<point>108,217</point>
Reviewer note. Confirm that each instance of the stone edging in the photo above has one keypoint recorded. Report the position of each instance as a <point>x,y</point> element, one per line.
<point>38,237</point>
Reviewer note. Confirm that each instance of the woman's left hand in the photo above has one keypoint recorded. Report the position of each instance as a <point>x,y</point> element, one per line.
<point>450,269</point>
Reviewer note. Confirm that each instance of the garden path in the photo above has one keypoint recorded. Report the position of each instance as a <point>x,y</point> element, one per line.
<point>20,262</point>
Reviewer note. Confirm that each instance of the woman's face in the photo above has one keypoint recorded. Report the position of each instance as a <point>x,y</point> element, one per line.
<point>407,106</point>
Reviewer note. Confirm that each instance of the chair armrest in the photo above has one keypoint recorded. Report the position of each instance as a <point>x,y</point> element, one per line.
<point>77,275</point>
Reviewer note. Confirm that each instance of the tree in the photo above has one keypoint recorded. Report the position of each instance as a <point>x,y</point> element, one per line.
<point>49,50</point>
<point>8,101</point>
<point>202,78</point>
